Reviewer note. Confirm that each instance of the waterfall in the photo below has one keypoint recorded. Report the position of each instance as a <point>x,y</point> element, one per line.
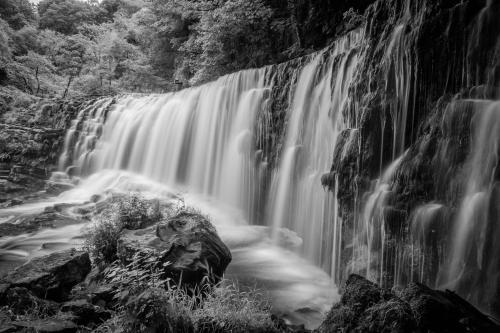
<point>203,139</point>
<point>315,121</point>
<point>472,254</point>
<point>200,139</point>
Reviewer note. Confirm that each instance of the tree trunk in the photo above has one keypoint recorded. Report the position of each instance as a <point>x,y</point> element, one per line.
<point>28,87</point>
<point>67,86</point>
<point>37,82</point>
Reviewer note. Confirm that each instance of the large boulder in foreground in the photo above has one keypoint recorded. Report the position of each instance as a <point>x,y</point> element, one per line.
<point>365,307</point>
<point>445,311</point>
<point>52,276</point>
<point>188,242</point>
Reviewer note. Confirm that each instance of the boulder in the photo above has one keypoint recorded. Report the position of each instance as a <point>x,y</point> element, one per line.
<point>365,307</point>
<point>19,300</point>
<point>48,325</point>
<point>56,188</point>
<point>188,241</point>
<point>195,251</point>
<point>360,293</point>
<point>85,313</point>
<point>52,276</point>
<point>445,311</point>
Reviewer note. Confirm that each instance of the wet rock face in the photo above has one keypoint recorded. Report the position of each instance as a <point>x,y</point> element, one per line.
<point>50,277</point>
<point>31,141</point>
<point>188,242</point>
<point>427,69</point>
<point>365,307</point>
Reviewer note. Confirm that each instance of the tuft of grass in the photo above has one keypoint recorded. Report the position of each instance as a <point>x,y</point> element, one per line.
<point>229,308</point>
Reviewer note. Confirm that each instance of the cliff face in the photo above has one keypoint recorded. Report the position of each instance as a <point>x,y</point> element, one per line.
<point>415,171</point>
<point>32,135</point>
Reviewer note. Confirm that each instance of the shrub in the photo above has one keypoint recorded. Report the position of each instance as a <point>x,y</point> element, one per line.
<point>102,237</point>
<point>130,212</point>
<point>154,310</point>
<point>136,213</point>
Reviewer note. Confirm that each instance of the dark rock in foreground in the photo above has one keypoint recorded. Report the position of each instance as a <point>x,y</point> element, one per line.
<point>52,276</point>
<point>188,241</point>
<point>365,307</point>
<point>85,313</point>
<point>51,325</point>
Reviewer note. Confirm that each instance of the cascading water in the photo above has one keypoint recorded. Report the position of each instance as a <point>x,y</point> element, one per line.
<point>444,247</point>
<point>315,122</point>
<point>203,140</point>
<point>473,251</point>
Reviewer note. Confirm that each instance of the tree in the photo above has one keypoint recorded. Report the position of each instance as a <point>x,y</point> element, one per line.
<point>234,36</point>
<point>65,16</point>
<point>71,58</point>
<point>38,65</point>
<point>5,33</point>
<point>25,39</point>
<point>17,13</point>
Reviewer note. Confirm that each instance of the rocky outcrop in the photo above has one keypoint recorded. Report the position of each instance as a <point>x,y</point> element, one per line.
<point>31,141</point>
<point>188,242</point>
<point>428,70</point>
<point>366,307</point>
<point>50,277</point>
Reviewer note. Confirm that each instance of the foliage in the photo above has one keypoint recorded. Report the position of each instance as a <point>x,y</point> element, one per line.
<point>152,303</point>
<point>230,308</point>
<point>232,36</point>
<point>17,13</point>
<point>111,46</point>
<point>65,16</point>
<point>136,213</point>
<point>131,212</point>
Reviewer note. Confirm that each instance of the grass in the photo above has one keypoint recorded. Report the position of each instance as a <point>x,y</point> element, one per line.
<point>224,308</point>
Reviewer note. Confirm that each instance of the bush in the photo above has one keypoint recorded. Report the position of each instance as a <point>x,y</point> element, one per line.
<point>137,213</point>
<point>130,212</point>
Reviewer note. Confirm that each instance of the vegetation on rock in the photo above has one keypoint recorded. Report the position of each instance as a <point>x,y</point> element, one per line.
<point>125,212</point>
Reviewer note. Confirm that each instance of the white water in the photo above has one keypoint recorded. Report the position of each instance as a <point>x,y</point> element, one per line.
<point>472,223</point>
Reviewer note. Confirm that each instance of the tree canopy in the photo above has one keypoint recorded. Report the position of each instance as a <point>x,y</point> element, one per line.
<point>74,47</point>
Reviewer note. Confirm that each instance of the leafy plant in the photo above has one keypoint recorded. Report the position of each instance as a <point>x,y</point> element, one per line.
<point>130,212</point>
<point>102,237</point>
<point>136,213</point>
